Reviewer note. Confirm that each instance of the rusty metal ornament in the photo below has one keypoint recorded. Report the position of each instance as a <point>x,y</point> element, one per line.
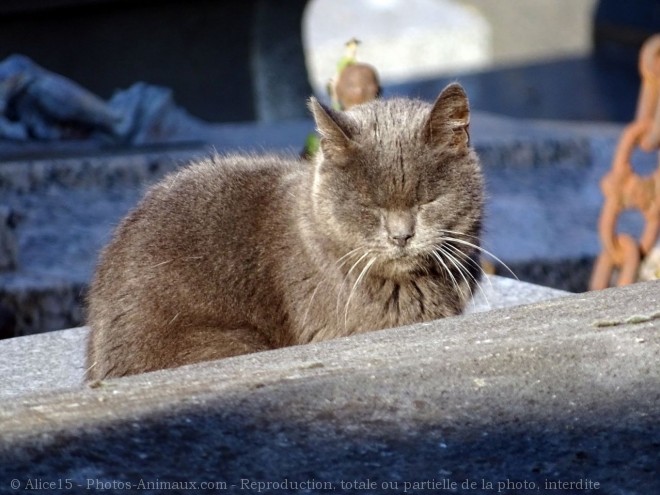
<point>620,259</point>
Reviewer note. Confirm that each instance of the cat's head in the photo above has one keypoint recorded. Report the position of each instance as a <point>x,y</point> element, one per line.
<point>394,179</point>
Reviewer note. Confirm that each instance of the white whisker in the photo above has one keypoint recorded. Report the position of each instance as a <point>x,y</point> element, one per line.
<point>343,282</point>
<point>462,267</point>
<point>474,246</point>
<point>452,259</point>
<point>162,263</point>
<point>458,266</point>
<point>344,258</point>
<point>437,256</point>
<point>357,282</point>
<point>309,304</point>
<point>469,259</point>
<point>174,319</point>
<point>447,231</point>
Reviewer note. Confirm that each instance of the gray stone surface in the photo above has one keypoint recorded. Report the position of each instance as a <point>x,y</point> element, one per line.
<point>51,361</point>
<point>517,400</point>
<point>55,360</point>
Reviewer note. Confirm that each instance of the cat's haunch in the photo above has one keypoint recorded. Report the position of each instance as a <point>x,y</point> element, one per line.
<point>239,254</point>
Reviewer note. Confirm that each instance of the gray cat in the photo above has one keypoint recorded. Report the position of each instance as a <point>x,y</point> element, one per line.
<point>240,254</point>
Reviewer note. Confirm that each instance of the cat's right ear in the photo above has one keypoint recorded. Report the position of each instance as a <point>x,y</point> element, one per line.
<point>333,128</point>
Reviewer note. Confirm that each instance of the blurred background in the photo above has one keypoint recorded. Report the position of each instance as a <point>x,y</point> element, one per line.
<point>558,59</point>
<point>243,60</point>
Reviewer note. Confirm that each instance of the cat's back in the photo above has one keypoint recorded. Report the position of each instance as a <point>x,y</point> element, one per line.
<point>203,229</point>
<point>231,191</point>
<point>241,179</point>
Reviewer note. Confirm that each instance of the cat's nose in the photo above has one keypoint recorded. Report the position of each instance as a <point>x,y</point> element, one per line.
<point>400,226</point>
<point>401,239</point>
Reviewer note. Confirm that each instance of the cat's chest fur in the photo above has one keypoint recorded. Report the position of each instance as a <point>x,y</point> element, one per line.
<point>343,305</point>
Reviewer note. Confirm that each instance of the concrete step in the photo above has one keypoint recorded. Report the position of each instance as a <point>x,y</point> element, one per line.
<point>563,394</point>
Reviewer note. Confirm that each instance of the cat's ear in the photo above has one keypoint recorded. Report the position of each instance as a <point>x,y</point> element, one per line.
<point>449,120</point>
<point>334,129</point>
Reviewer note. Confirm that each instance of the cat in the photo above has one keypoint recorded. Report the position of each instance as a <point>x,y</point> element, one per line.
<point>239,254</point>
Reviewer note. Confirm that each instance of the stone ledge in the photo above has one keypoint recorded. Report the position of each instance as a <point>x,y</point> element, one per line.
<point>561,390</point>
<point>94,168</point>
<point>54,360</point>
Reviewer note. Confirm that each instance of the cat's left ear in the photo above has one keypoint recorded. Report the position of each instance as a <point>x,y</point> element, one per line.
<point>449,120</point>
<point>334,129</point>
